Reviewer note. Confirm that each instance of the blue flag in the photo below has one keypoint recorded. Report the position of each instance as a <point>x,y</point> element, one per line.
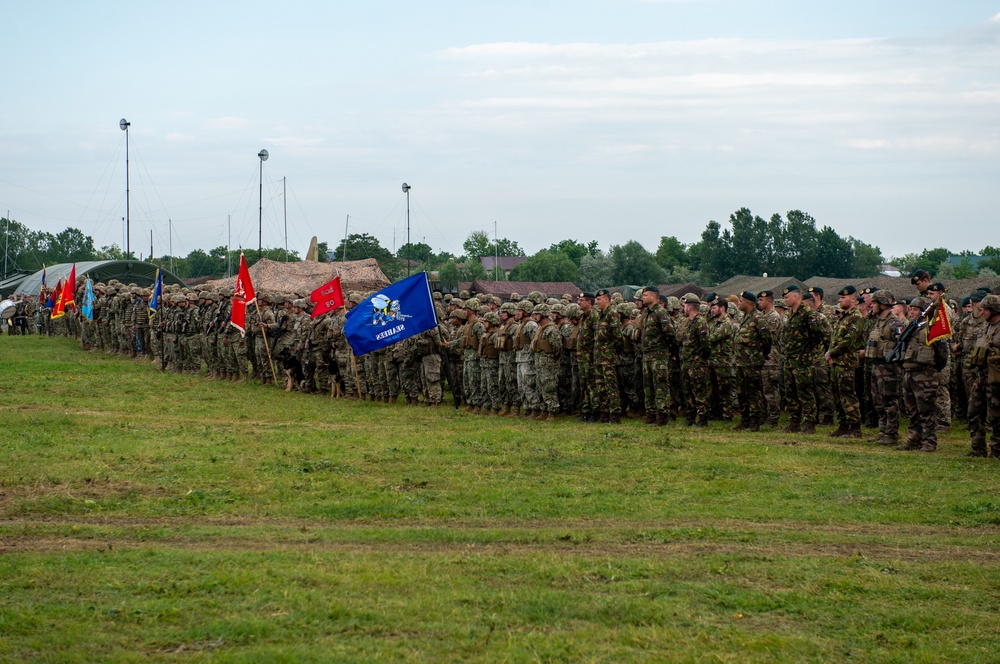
<point>88,301</point>
<point>395,313</point>
<point>154,299</point>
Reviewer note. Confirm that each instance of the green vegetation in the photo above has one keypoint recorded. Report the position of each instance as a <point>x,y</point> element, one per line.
<point>145,515</point>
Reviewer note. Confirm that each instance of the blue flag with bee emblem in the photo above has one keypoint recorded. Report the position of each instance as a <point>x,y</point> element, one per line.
<point>394,313</point>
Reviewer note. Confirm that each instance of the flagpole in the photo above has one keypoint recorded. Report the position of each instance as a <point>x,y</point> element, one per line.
<point>267,346</point>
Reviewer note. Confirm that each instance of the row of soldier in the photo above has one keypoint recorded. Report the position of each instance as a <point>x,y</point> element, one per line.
<point>750,356</point>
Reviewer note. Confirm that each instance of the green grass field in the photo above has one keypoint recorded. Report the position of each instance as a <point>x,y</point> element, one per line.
<point>156,516</point>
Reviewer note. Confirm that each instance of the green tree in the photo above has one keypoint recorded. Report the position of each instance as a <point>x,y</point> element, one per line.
<point>417,251</point>
<point>867,261</point>
<point>358,246</point>
<point>713,253</point>
<point>833,257</point>
<point>595,272</point>
<point>634,265</point>
<point>576,250</point>
<point>672,253</point>
<point>479,244</point>
<point>546,265</point>
<point>323,249</point>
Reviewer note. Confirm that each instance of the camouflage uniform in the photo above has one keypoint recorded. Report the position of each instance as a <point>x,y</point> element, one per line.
<point>429,352</point>
<point>922,366</point>
<point>629,388</point>
<point>658,339</point>
<point>568,380</point>
<point>585,362</point>
<point>826,405</point>
<point>752,344</point>
<point>845,342</point>
<point>771,373</point>
<point>489,363</point>
<point>804,334</point>
<point>607,345</point>
<point>886,378</point>
<point>694,348</point>
<point>984,397</point>
<point>526,378</point>
<point>721,331</point>
<point>472,332</point>
<point>546,346</point>
<point>507,373</point>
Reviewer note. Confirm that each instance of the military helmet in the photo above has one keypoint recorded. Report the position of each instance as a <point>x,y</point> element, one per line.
<point>884,297</point>
<point>558,309</point>
<point>301,303</point>
<point>573,310</point>
<point>515,297</point>
<point>459,314</point>
<point>780,302</point>
<point>192,297</point>
<point>448,297</point>
<point>673,304</point>
<point>491,317</point>
<point>536,297</point>
<point>463,294</point>
<point>472,304</point>
<point>992,302</point>
<point>526,306</point>
<point>922,302</point>
<point>436,295</point>
<point>508,307</point>
<point>456,302</point>
<point>542,309</point>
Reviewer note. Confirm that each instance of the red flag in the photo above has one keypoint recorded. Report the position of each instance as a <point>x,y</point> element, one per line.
<point>242,296</point>
<point>57,301</point>
<point>69,288</point>
<point>327,297</point>
<point>940,325</point>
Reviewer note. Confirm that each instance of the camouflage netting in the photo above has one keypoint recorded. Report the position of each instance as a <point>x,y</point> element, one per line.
<point>306,276</point>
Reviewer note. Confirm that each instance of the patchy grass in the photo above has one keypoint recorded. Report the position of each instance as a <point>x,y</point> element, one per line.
<point>145,515</point>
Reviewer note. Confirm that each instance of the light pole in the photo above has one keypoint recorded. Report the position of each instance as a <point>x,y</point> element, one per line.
<point>124,124</point>
<point>260,218</point>
<point>406,190</point>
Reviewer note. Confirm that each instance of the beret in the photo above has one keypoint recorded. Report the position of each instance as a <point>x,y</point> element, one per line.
<point>791,288</point>
<point>848,290</point>
<point>747,295</point>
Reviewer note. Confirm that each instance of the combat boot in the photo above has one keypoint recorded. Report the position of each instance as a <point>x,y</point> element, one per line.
<point>808,427</point>
<point>928,447</point>
<point>615,418</point>
<point>838,432</point>
<point>852,433</point>
<point>661,420</point>
<point>753,426</point>
<point>702,422</point>
<point>689,420</point>
<point>650,418</point>
<point>741,425</point>
<point>604,418</point>
<point>551,417</point>
<point>506,411</point>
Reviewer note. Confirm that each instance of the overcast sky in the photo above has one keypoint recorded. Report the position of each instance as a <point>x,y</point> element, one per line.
<point>587,119</point>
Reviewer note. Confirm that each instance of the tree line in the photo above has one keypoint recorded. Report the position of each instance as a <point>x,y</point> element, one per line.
<point>792,245</point>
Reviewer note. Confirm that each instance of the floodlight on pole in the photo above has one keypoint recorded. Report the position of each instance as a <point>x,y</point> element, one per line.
<point>406,190</point>
<point>124,124</point>
<point>260,218</point>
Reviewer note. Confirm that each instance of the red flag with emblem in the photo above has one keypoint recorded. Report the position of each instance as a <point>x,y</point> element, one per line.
<point>327,297</point>
<point>242,296</point>
<point>940,325</point>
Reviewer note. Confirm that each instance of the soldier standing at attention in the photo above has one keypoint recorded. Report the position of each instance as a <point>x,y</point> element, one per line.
<point>695,351</point>
<point>772,363</point>
<point>721,332</point>
<point>804,333</point>
<point>846,341</point>
<point>751,345</point>
<point>607,343</point>
<point>934,293</point>
<point>825,403</point>
<point>922,365</point>
<point>657,337</point>
<point>547,347</point>
<point>984,361</point>
<point>886,378</point>
<point>585,357</point>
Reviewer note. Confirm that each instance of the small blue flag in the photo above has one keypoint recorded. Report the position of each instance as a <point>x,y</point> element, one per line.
<point>88,301</point>
<point>154,299</point>
<point>395,313</point>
